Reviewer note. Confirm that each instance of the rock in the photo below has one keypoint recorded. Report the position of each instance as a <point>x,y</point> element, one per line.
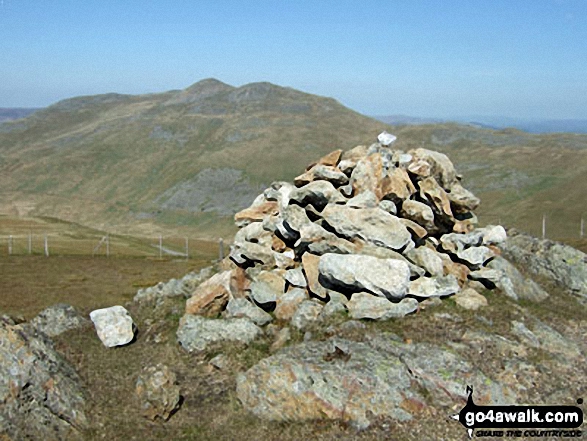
<point>370,224</point>
<point>317,240</point>
<point>512,282</point>
<point>220,362</point>
<point>441,168</point>
<point>347,168</point>
<point>494,235</point>
<point>418,212</point>
<point>310,264</point>
<point>281,339</point>
<point>458,270</point>
<point>157,392</point>
<point>386,139</point>
<point>366,175</point>
<point>475,257</point>
<point>306,314</point>
<point>355,154</point>
<point>245,253</point>
<point>420,168</point>
<point>211,297</point>
<point>197,333</point>
<point>255,213</point>
<point>388,206</point>
<point>295,277</point>
<point>237,308</point>
<point>396,186</point>
<point>336,297</point>
<point>318,194</point>
<point>366,199</point>
<point>462,200</point>
<point>280,192</point>
<point>426,287</point>
<point>331,158</point>
<point>114,325</point>
<point>365,305</point>
<point>325,173</point>
<point>266,288</point>
<point>285,260</point>
<point>470,299</point>
<point>360,382</point>
<point>288,303</point>
<point>526,336</point>
<point>332,309</point>
<point>57,319</point>
<point>558,263</point>
<point>174,288</point>
<point>436,196</point>
<point>41,395</point>
<point>417,231</point>
<point>353,272</point>
<point>427,259</point>
<point>454,242</point>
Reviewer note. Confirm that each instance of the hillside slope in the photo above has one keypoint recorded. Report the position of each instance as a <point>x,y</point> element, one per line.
<point>188,159</point>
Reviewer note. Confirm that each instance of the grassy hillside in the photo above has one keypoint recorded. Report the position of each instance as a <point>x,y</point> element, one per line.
<point>183,161</point>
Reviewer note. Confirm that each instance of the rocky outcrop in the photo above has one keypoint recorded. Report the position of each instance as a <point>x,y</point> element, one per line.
<point>57,319</point>
<point>41,396</point>
<point>196,333</point>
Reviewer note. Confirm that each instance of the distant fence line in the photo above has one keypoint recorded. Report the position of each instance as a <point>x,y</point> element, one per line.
<point>108,245</point>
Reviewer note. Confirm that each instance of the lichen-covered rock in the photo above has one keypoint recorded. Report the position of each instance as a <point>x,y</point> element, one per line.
<point>157,392</point>
<point>426,287</point>
<point>427,259</point>
<point>57,319</point>
<point>174,287</point>
<point>41,395</point>
<point>307,313</point>
<point>114,325</point>
<point>237,308</point>
<point>354,272</point>
<point>197,333</point>
<point>513,284</point>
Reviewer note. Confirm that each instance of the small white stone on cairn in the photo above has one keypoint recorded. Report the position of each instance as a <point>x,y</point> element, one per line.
<point>385,138</point>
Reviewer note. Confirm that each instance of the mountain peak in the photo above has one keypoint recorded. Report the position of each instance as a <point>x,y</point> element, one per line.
<point>208,86</point>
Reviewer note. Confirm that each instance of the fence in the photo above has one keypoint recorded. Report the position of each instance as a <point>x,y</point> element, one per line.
<point>63,244</point>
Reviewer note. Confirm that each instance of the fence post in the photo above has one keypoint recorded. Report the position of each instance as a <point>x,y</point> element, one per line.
<point>46,246</point>
<point>30,244</point>
<point>10,245</point>
<point>187,248</point>
<point>220,249</point>
<point>160,246</point>
<point>107,245</point>
<point>582,230</point>
<point>544,226</point>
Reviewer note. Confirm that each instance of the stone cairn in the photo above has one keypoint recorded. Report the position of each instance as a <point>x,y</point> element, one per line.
<point>373,231</point>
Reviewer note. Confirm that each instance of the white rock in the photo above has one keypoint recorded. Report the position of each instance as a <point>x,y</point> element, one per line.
<point>114,325</point>
<point>385,138</point>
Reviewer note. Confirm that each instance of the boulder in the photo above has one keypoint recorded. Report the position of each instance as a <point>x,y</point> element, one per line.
<point>57,319</point>
<point>441,168</point>
<point>513,284</point>
<point>364,305</point>
<point>353,272</point>
<point>267,287</point>
<point>288,303</point>
<point>157,392</point>
<point>317,240</point>
<point>331,158</point>
<point>427,259</point>
<point>366,175</point>
<point>307,313</point>
<point>470,299</point>
<point>196,333</point>
<point>255,213</point>
<point>247,253</point>
<point>365,199</point>
<point>494,235</point>
<point>369,224</point>
<point>388,206</point>
<point>238,308</point>
<point>210,298</point>
<point>310,264</point>
<point>41,395</point>
<point>436,196</point>
<point>295,277</point>
<point>396,186</point>
<point>114,325</point>
<point>426,287</point>
<point>174,288</point>
<point>475,257</point>
<point>418,212</point>
<point>318,194</point>
<point>462,200</point>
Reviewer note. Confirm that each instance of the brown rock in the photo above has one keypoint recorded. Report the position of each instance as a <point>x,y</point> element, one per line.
<point>288,303</point>
<point>310,264</point>
<point>462,200</point>
<point>438,198</point>
<point>239,282</point>
<point>458,270</point>
<point>414,228</point>
<point>420,168</point>
<point>396,186</point>
<point>418,212</point>
<point>367,175</point>
<point>256,213</point>
<point>470,299</point>
<point>210,298</point>
<point>355,154</point>
<point>277,244</point>
<point>442,168</point>
<point>331,158</point>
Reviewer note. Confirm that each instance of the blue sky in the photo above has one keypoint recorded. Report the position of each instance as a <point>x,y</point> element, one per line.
<point>516,58</point>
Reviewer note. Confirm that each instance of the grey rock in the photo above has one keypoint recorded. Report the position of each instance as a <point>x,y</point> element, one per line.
<point>332,308</point>
<point>248,252</point>
<point>388,206</point>
<point>174,288</point>
<point>157,392</point>
<point>266,288</point>
<point>366,199</point>
<point>558,263</point>
<point>373,225</point>
<point>295,277</point>
<point>418,212</point>
<point>462,200</point>
<point>513,283</point>
<point>114,325</point>
<point>317,240</point>
<point>57,319</point>
<point>426,287</point>
<point>318,194</point>
<point>474,257</point>
<point>494,235</point>
<point>196,333</point>
<point>330,174</point>
<point>365,305</point>
<point>427,259</point>
<point>454,242</point>
<point>41,394</point>
<point>237,308</point>
<point>288,303</point>
<point>307,313</point>
<point>470,299</point>
<point>383,277</point>
<point>520,330</point>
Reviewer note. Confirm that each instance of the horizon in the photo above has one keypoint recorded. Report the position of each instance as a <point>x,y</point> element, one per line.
<point>524,60</point>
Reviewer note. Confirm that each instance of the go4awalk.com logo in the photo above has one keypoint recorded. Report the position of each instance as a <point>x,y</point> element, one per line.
<point>520,421</point>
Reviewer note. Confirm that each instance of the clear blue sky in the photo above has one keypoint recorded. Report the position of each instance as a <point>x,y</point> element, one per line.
<point>518,58</point>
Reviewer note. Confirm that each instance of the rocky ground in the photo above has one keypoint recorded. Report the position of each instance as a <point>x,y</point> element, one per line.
<point>357,303</point>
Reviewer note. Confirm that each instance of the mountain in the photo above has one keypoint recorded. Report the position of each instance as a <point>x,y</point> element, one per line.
<point>186,160</point>
<point>11,113</point>
<point>178,158</point>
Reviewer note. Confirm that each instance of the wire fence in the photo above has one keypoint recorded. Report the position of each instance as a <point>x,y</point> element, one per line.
<point>107,245</point>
